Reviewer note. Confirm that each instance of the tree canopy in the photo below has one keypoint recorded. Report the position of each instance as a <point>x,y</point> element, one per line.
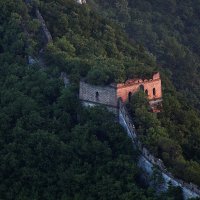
<point>52,147</point>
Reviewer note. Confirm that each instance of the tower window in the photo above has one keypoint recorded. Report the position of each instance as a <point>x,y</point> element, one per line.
<point>146,92</point>
<point>154,91</point>
<point>97,96</point>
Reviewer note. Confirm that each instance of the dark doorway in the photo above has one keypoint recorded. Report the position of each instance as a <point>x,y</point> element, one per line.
<point>154,91</point>
<point>142,88</point>
<point>146,92</point>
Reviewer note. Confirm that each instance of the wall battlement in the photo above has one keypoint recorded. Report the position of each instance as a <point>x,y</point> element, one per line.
<point>156,77</point>
<point>110,95</point>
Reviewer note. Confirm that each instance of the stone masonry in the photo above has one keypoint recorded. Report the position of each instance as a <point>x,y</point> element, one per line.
<point>151,87</point>
<point>110,95</point>
<point>98,95</point>
<point>92,95</point>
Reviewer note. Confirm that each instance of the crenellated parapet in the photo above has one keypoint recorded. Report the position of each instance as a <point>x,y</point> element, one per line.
<point>110,94</point>
<point>151,87</point>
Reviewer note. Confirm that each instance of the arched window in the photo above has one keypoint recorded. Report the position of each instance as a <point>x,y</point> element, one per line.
<point>146,92</point>
<point>97,96</point>
<point>142,87</point>
<point>154,91</point>
<point>129,96</point>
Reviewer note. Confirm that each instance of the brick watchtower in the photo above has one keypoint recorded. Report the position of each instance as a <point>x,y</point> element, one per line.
<point>109,95</point>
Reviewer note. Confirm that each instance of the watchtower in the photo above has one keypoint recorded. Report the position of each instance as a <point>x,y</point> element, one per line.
<point>109,95</point>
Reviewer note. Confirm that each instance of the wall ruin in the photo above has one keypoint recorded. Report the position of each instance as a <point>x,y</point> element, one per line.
<point>109,95</point>
<point>98,95</point>
<point>81,1</point>
<point>151,87</point>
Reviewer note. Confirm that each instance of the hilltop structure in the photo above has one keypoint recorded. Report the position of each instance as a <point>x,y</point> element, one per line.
<point>114,98</point>
<point>110,95</point>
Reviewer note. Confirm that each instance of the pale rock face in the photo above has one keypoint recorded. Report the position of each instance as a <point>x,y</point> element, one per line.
<point>81,1</point>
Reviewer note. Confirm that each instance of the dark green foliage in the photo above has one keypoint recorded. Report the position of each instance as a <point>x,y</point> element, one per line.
<point>164,135</point>
<point>173,193</point>
<point>52,148</point>
<point>170,30</point>
<point>81,36</point>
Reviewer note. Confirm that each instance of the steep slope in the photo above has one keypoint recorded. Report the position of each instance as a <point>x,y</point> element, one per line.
<point>169,30</point>
<point>52,148</point>
<point>87,45</point>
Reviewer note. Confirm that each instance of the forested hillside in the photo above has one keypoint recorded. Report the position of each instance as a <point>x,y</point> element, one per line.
<point>51,147</point>
<point>170,31</point>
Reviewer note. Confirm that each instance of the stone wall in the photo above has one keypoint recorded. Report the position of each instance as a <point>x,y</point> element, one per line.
<point>151,87</point>
<point>65,79</point>
<point>98,95</point>
<point>109,95</point>
<point>111,109</point>
<point>147,161</point>
<point>44,27</point>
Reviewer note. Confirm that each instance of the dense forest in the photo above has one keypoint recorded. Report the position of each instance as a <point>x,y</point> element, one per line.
<point>52,147</point>
<point>170,31</point>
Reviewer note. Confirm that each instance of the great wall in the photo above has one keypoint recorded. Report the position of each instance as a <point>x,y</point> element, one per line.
<point>90,96</point>
<point>114,97</point>
<point>147,161</point>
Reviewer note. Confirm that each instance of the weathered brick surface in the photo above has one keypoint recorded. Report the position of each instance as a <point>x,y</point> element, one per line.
<point>106,95</point>
<point>109,95</point>
<point>132,86</point>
